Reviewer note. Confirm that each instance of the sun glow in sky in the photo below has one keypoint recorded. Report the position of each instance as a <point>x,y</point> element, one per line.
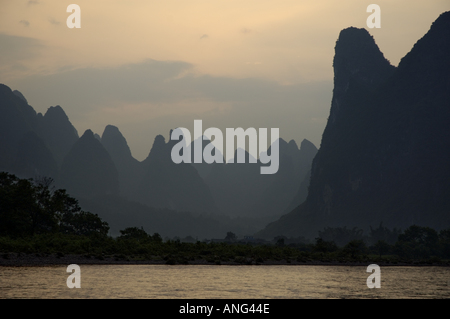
<point>150,66</point>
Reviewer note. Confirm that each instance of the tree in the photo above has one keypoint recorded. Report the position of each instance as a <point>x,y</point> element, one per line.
<point>15,199</point>
<point>381,247</point>
<point>355,248</point>
<point>323,246</point>
<point>280,240</point>
<point>418,242</point>
<point>30,207</point>
<point>134,233</point>
<point>25,207</point>
<point>341,235</point>
<point>444,242</point>
<point>86,223</point>
<point>157,238</point>
<point>384,234</point>
<point>231,236</point>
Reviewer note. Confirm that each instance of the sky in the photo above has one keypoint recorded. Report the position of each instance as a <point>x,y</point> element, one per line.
<point>148,66</point>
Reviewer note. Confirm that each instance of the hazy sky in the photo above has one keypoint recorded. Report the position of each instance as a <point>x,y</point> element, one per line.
<point>147,66</point>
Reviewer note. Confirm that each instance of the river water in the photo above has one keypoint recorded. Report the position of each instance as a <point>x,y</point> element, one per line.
<point>216,282</point>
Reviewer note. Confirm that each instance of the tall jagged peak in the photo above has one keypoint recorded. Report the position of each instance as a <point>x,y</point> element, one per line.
<point>159,142</point>
<point>58,117</point>
<point>58,124</point>
<point>88,138</point>
<point>20,95</point>
<point>292,144</point>
<point>56,113</point>
<point>357,56</point>
<point>307,146</point>
<point>17,98</point>
<point>385,158</point>
<point>17,118</point>
<point>88,169</point>
<point>111,130</point>
<point>357,62</point>
<point>87,134</point>
<point>58,132</point>
<point>158,149</point>
<point>114,142</point>
<point>428,59</point>
<point>436,44</point>
<point>359,44</point>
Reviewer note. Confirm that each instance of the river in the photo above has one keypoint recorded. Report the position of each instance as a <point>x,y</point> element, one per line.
<point>231,282</point>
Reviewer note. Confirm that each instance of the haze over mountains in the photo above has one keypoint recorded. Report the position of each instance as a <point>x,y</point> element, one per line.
<point>385,152</point>
<point>384,157</point>
<point>156,193</point>
<point>241,190</point>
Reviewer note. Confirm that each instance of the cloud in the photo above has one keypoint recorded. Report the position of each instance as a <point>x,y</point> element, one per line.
<point>87,87</point>
<point>53,21</point>
<point>16,53</point>
<point>205,36</point>
<point>25,23</point>
<point>163,83</point>
<point>32,2</point>
<point>152,81</point>
<point>15,48</point>
<point>152,97</point>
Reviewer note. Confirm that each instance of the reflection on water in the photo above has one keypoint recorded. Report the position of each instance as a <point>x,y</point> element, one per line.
<point>234,282</point>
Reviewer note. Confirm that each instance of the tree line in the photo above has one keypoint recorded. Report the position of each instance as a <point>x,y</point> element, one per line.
<point>37,219</point>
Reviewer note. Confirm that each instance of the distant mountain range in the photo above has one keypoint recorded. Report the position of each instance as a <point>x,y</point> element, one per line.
<point>101,170</point>
<point>384,157</point>
<point>241,190</point>
<point>385,152</point>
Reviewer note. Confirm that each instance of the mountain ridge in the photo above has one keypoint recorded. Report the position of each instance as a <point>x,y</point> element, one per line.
<point>385,150</point>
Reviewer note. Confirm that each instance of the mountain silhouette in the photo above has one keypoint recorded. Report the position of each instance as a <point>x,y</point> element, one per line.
<point>128,167</point>
<point>103,175</point>
<point>34,159</point>
<point>239,189</point>
<point>289,186</point>
<point>23,151</point>
<point>307,152</point>
<point>58,132</point>
<point>386,147</point>
<point>203,168</point>
<point>235,186</point>
<point>164,184</point>
<point>20,95</point>
<point>88,170</point>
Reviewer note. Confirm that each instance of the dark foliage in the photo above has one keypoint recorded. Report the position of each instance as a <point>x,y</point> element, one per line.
<point>29,207</point>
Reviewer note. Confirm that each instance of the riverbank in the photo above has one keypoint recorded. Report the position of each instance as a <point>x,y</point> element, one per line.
<point>31,260</point>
